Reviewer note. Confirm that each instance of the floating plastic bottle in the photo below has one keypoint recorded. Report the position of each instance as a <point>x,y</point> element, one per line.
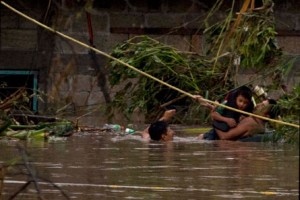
<point>129,131</point>
<point>118,129</point>
<point>112,127</point>
<point>259,95</point>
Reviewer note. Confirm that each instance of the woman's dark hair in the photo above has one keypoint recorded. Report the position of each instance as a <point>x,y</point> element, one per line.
<point>243,91</point>
<point>157,129</point>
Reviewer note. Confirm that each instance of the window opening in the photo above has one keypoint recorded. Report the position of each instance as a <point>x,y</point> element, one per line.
<point>14,79</point>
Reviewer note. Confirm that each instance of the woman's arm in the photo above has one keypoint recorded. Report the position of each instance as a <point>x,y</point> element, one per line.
<point>218,117</point>
<point>234,133</point>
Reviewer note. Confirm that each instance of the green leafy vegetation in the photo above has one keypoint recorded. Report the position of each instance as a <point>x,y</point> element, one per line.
<point>182,70</point>
<point>244,40</point>
<point>290,108</point>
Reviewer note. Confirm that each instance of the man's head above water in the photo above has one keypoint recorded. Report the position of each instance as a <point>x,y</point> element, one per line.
<point>268,108</point>
<point>160,131</point>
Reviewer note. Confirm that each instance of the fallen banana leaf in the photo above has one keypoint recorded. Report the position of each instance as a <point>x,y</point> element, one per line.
<point>33,133</point>
<point>41,136</point>
<point>22,135</point>
<point>25,134</point>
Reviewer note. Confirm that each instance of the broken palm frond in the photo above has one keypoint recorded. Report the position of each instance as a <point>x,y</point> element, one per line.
<point>135,69</point>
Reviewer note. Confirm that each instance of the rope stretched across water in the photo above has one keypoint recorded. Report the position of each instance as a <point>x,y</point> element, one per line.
<point>137,70</point>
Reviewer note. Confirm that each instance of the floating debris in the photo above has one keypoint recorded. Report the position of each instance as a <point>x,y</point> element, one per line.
<point>24,126</point>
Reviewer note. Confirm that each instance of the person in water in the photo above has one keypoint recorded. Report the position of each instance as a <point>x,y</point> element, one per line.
<point>225,119</point>
<point>250,126</point>
<point>160,129</point>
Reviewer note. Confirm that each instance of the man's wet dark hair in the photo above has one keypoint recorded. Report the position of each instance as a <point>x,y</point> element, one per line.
<point>274,109</point>
<point>157,129</point>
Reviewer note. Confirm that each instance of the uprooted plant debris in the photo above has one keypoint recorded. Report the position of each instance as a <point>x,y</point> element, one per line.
<point>21,125</point>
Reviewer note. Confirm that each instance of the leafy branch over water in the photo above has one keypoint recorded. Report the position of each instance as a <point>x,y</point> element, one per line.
<point>244,40</point>
<point>290,106</point>
<point>182,70</point>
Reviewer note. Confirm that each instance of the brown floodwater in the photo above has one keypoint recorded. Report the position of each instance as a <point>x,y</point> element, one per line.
<point>97,165</point>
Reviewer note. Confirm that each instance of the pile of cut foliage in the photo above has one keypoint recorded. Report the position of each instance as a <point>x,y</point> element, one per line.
<point>27,126</point>
<point>185,71</point>
<point>41,130</point>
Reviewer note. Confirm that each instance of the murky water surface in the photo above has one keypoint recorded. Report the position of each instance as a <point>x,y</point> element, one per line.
<point>102,166</point>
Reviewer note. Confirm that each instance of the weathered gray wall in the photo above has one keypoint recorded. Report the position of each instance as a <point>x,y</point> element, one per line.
<point>66,71</point>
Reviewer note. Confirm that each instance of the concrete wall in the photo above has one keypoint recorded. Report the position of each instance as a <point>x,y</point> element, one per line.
<point>66,72</point>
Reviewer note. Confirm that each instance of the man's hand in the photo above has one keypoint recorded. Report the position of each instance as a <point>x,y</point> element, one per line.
<point>231,122</point>
<point>168,114</point>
